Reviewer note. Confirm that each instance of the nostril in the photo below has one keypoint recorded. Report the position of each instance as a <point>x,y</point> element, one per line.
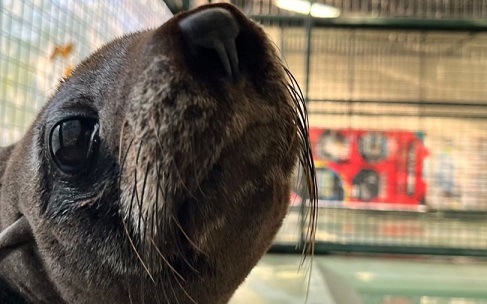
<point>215,29</point>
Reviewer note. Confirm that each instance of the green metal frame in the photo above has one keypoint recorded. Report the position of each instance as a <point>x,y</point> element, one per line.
<point>477,25</point>
<point>322,248</point>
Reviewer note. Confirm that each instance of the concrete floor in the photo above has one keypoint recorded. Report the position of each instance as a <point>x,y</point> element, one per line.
<point>365,280</point>
<point>374,279</point>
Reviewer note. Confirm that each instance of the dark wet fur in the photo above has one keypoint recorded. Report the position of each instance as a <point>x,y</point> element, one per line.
<point>307,172</point>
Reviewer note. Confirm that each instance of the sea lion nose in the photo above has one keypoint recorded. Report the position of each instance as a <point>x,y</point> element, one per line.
<point>215,29</point>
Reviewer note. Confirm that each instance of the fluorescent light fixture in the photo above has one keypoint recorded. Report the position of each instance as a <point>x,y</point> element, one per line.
<point>306,7</point>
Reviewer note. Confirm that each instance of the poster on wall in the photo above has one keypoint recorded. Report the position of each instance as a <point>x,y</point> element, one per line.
<point>370,169</point>
<point>457,173</point>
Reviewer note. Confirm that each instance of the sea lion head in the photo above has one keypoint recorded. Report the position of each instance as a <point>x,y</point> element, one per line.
<point>159,171</point>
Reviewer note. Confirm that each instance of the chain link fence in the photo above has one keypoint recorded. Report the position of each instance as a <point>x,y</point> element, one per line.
<point>398,115</point>
<point>42,40</point>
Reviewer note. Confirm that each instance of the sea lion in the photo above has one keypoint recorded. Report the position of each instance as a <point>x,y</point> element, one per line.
<point>159,171</point>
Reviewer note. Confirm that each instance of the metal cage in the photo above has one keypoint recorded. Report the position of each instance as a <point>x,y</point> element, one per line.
<point>398,106</point>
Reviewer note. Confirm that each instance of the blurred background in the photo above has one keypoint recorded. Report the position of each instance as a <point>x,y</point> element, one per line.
<point>397,98</point>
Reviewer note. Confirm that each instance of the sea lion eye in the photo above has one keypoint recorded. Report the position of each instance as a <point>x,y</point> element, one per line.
<point>73,143</point>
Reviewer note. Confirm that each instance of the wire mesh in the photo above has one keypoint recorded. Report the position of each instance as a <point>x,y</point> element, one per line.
<point>398,125</point>
<point>41,41</point>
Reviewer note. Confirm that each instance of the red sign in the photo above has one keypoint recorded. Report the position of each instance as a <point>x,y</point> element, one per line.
<point>369,168</point>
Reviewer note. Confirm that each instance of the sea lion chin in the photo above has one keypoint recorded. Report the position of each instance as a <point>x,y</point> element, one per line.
<point>159,172</point>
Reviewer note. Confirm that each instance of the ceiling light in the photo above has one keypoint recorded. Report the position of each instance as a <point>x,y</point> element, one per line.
<point>306,7</point>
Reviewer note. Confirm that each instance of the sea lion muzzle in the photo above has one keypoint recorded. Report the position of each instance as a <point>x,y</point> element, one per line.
<point>159,172</point>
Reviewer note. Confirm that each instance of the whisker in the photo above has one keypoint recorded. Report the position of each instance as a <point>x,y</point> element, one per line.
<point>187,237</point>
<point>166,261</point>
<point>183,256</point>
<point>185,292</point>
<point>138,200</point>
<point>130,295</point>
<point>137,253</point>
<point>180,177</point>
<point>141,205</point>
<point>120,141</point>
<point>131,206</point>
<point>173,271</point>
<point>156,133</point>
<point>175,297</point>
<point>132,199</point>
<point>124,160</point>
<point>306,160</point>
<point>307,163</point>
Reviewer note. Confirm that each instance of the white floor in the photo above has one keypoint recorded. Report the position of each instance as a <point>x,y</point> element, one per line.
<point>367,280</point>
